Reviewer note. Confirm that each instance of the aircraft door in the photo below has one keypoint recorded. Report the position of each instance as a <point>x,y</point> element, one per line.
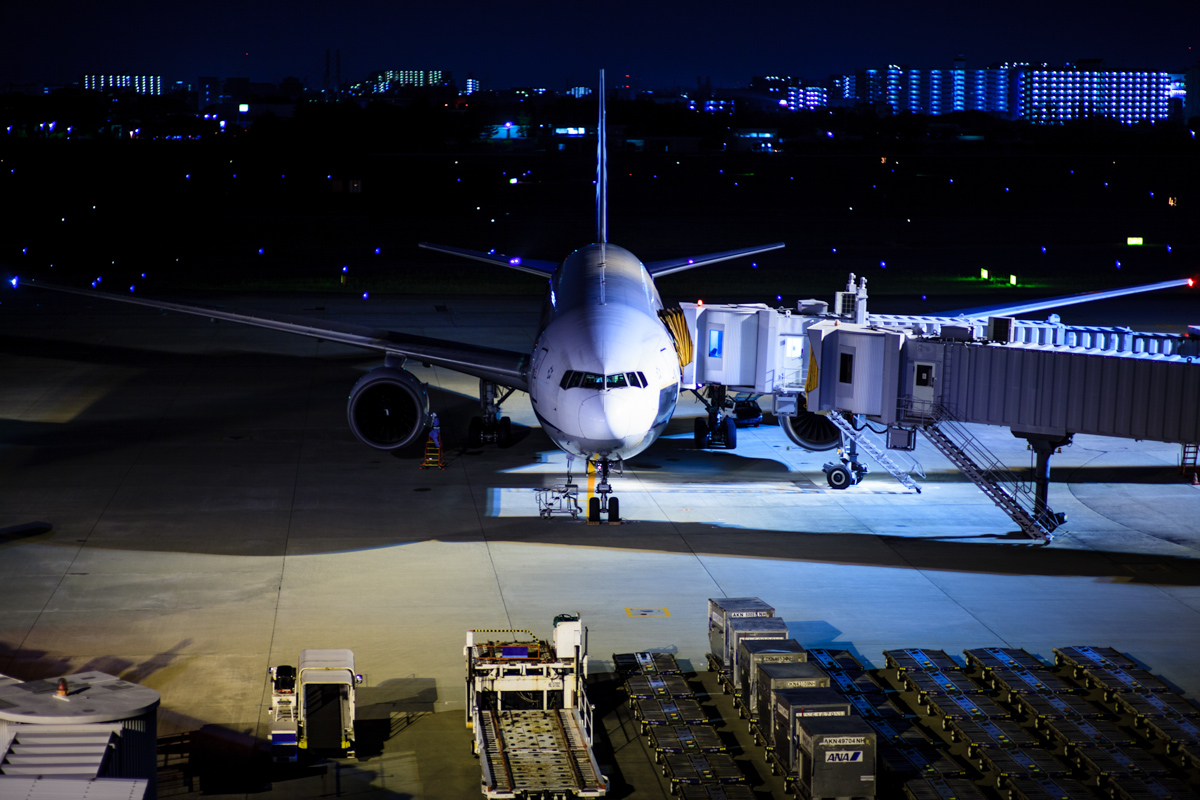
<point>924,388</point>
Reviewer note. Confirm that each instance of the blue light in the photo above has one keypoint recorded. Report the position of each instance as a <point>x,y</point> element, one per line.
<point>365,295</point>
<point>260,251</point>
<point>131,287</point>
<point>24,250</point>
<point>1168,248</point>
<point>834,251</point>
<point>1118,263</point>
<point>1043,248</point>
<point>883,265</point>
<point>378,250</point>
<point>14,281</point>
<point>143,274</point>
<point>923,297</point>
<point>754,265</point>
<point>187,177</point>
<point>778,297</point>
<point>93,284</point>
<point>515,261</point>
<point>346,269</point>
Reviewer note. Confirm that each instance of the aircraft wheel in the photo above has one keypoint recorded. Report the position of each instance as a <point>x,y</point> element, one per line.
<point>701,430</point>
<point>594,509</point>
<point>730,425</point>
<point>475,432</point>
<point>504,436</point>
<point>839,478</point>
<point>614,510</point>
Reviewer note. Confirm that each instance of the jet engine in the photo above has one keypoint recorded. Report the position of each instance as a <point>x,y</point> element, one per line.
<point>810,430</point>
<point>388,409</point>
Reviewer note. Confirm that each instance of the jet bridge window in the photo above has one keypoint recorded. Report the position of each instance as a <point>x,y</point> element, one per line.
<point>846,368</point>
<point>590,380</point>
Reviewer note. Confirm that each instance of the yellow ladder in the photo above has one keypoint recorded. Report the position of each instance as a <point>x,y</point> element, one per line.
<point>433,455</point>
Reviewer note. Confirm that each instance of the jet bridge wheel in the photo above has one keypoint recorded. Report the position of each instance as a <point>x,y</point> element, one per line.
<point>839,477</point>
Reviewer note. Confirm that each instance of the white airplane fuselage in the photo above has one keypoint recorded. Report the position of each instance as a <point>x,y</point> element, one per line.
<point>604,375</point>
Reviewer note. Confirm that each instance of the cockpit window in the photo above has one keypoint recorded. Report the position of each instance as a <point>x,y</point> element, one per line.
<point>590,380</point>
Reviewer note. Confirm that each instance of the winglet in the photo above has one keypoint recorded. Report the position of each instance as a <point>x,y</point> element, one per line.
<point>602,173</point>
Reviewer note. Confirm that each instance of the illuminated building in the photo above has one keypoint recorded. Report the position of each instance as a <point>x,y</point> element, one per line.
<point>472,85</point>
<point>141,84</point>
<point>1037,93</point>
<point>386,80</point>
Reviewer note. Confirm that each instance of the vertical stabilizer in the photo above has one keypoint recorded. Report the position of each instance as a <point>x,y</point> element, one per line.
<point>602,173</point>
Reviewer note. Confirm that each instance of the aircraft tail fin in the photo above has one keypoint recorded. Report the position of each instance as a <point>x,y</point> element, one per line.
<point>602,172</point>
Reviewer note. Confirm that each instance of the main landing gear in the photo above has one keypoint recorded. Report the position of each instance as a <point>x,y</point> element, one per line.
<point>602,503</point>
<point>490,427</point>
<point>719,428</point>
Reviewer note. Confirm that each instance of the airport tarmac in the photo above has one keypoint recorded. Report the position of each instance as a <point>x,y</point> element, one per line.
<point>183,505</point>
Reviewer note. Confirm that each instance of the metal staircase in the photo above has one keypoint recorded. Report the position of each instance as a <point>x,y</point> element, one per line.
<point>1014,496</point>
<point>59,750</point>
<point>869,446</point>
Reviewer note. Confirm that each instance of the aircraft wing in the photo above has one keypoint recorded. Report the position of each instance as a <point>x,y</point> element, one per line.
<point>1068,300</point>
<point>530,265</point>
<point>500,366</point>
<point>657,268</point>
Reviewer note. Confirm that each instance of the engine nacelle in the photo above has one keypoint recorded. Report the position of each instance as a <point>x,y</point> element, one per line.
<point>388,409</point>
<point>809,430</point>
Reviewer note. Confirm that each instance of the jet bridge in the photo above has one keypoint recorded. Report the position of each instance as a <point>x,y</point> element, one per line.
<point>909,374</point>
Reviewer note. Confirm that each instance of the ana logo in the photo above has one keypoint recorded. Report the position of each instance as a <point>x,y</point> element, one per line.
<point>843,756</point>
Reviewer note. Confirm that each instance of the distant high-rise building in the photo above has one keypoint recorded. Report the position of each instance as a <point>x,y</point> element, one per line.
<point>208,92</point>
<point>387,80</point>
<point>472,85</point>
<point>141,84</point>
<point>1038,93</point>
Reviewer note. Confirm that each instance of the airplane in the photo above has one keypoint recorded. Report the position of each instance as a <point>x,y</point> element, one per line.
<point>603,376</point>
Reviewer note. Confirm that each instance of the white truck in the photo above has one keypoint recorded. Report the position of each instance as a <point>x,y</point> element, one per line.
<point>312,708</point>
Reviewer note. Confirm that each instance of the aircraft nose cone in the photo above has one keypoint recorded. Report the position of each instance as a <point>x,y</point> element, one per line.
<point>605,417</point>
<point>597,420</point>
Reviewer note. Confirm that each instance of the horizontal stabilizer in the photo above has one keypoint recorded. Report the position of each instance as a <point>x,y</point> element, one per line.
<point>1068,300</point>
<point>530,265</point>
<point>657,268</point>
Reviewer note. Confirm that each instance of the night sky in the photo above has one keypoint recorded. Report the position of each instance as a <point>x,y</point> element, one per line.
<point>555,45</point>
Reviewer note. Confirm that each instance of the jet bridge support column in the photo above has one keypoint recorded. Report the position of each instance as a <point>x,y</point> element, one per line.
<point>1043,447</point>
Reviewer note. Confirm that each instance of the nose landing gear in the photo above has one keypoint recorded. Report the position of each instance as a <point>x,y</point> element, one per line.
<point>603,503</point>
